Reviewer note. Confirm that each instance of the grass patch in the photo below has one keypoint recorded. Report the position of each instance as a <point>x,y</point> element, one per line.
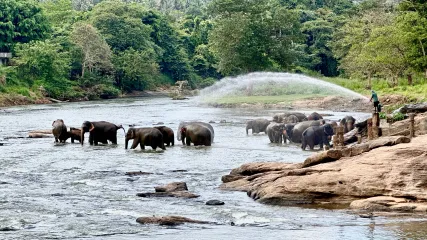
<point>264,99</point>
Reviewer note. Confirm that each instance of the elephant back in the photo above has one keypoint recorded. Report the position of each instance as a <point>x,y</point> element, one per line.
<point>185,124</point>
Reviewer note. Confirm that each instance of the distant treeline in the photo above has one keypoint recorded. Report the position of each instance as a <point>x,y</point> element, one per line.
<point>73,49</point>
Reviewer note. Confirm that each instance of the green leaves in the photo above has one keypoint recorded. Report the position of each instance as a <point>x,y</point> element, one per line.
<point>21,21</point>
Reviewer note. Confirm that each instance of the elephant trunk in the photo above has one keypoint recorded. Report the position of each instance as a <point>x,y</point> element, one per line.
<point>247,128</point>
<point>126,142</point>
<point>82,136</point>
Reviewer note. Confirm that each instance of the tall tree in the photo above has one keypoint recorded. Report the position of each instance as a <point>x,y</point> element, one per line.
<point>96,54</point>
<point>21,21</point>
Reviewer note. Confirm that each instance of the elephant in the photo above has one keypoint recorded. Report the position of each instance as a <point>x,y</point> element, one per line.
<point>314,116</point>
<point>100,132</point>
<point>168,135</point>
<point>294,131</point>
<point>257,125</point>
<point>281,117</point>
<point>75,134</point>
<point>196,134</point>
<point>348,122</point>
<point>183,124</point>
<point>59,131</point>
<point>145,137</point>
<point>291,119</point>
<point>275,132</point>
<point>317,135</point>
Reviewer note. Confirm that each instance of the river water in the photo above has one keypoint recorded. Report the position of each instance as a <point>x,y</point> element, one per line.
<point>66,191</point>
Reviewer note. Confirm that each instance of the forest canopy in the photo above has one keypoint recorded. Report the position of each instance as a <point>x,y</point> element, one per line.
<point>87,49</point>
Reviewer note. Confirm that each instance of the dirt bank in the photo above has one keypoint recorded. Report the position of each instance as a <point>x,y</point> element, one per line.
<point>383,179</point>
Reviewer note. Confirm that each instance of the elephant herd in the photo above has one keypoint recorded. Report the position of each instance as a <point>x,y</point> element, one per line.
<point>198,133</point>
<point>296,127</point>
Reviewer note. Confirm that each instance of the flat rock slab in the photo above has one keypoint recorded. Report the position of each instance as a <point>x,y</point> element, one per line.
<point>168,220</point>
<point>178,194</point>
<point>172,187</point>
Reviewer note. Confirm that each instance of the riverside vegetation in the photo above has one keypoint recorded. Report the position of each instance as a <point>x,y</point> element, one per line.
<point>89,49</point>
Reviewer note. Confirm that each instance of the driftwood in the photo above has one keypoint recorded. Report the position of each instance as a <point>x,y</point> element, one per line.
<point>326,156</point>
<point>412,108</point>
<point>335,154</point>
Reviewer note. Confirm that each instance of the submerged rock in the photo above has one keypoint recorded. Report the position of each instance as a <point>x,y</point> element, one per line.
<point>391,171</point>
<point>174,189</point>
<point>168,220</point>
<point>214,203</point>
<point>178,194</point>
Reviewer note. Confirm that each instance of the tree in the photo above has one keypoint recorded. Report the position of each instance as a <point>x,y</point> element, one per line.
<point>135,70</point>
<point>96,53</point>
<point>21,21</point>
<point>253,35</point>
<point>121,25</point>
<point>45,64</point>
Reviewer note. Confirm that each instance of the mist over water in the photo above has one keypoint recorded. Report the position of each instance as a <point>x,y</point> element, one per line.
<point>291,83</point>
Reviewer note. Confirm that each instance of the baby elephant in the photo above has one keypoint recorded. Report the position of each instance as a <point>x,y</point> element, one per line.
<point>145,137</point>
<point>75,134</point>
<point>317,135</point>
<point>196,134</point>
<point>168,135</point>
<point>59,131</point>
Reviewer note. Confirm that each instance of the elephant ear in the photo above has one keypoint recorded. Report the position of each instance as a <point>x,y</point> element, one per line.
<point>53,123</point>
<point>91,127</point>
<point>328,130</point>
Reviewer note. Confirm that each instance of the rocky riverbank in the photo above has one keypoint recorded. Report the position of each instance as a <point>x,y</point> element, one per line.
<point>388,178</point>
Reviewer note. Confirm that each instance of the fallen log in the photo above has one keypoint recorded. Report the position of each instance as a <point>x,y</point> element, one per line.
<point>39,135</point>
<point>412,108</point>
<point>49,131</point>
<point>323,157</point>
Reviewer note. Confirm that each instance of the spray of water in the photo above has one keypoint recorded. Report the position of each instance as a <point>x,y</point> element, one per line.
<point>289,82</point>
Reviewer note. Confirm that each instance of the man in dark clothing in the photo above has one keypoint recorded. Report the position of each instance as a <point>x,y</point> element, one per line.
<point>376,101</point>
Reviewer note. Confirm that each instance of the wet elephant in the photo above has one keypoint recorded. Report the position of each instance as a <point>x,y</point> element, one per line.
<point>75,134</point>
<point>59,131</point>
<point>281,117</point>
<point>145,137</point>
<point>257,125</point>
<point>183,124</point>
<point>100,132</point>
<point>317,135</point>
<point>314,116</point>
<point>197,134</point>
<point>168,135</point>
<point>275,132</point>
<point>294,131</point>
<point>291,119</point>
<point>348,122</point>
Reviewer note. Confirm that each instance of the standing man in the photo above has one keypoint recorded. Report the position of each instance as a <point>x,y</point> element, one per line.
<point>374,97</point>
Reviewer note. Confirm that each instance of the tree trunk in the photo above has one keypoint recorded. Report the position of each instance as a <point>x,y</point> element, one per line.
<point>369,80</point>
<point>83,69</point>
<point>410,79</point>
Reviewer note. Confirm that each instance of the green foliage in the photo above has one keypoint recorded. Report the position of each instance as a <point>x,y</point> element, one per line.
<point>135,70</point>
<point>21,21</point>
<point>253,35</point>
<point>45,65</point>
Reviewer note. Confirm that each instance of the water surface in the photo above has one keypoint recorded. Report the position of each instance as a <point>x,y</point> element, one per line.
<point>57,191</point>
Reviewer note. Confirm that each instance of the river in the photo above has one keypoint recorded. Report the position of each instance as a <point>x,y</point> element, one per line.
<point>66,191</point>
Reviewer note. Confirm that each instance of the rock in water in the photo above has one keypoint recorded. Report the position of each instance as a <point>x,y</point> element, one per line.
<point>214,203</point>
<point>168,220</point>
<point>172,187</point>
<point>389,171</point>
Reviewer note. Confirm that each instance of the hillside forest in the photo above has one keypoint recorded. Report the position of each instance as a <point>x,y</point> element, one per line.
<point>91,49</point>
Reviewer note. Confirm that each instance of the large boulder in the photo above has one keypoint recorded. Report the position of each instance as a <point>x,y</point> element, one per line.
<point>398,171</point>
